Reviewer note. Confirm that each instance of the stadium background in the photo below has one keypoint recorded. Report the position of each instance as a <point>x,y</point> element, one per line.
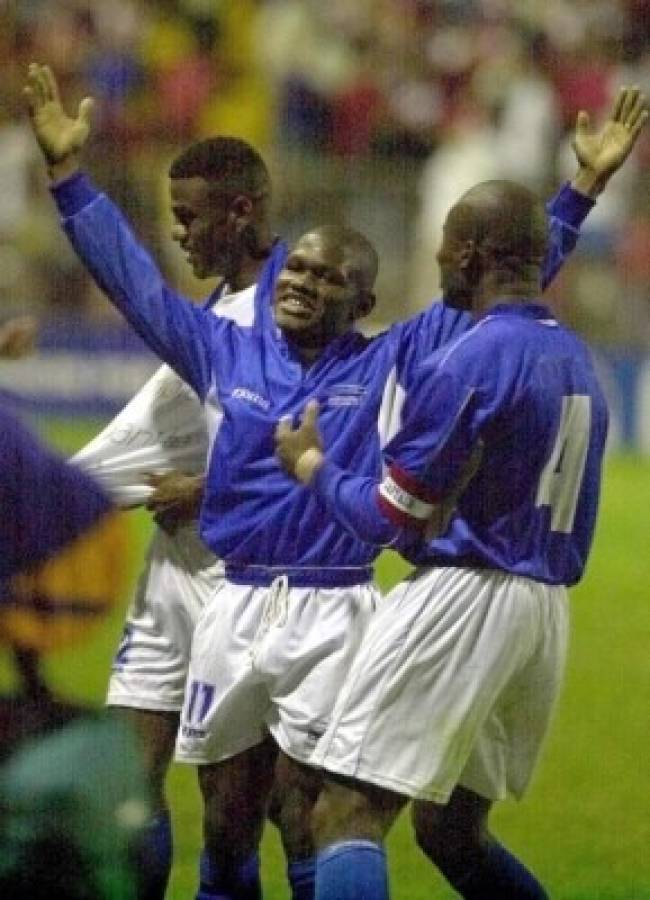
<point>380,112</point>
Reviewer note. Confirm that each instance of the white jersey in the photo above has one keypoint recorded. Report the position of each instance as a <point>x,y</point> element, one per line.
<point>164,428</point>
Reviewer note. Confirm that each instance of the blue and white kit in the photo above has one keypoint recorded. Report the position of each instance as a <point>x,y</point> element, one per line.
<point>475,640</point>
<point>269,531</point>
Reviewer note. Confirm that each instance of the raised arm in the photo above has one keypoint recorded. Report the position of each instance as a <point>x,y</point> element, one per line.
<point>600,154</point>
<point>176,330</point>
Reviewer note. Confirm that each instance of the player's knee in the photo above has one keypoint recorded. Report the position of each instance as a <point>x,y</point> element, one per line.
<point>295,791</point>
<point>448,836</point>
<point>291,813</point>
<point>350,810</point>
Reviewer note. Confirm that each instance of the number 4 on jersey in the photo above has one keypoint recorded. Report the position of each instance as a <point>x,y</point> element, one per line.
<point>560,481</point>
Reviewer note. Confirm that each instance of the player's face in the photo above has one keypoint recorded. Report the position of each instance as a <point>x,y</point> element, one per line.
<point>202,226</point>
<point>315,295</point>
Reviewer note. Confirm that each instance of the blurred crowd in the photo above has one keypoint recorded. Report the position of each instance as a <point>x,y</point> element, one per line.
<point>379,111</point>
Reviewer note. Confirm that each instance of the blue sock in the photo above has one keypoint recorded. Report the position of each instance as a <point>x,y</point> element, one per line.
<point>239,882</point>
<point>500,876</point>
<point>352,870</point>
<point>302,877</point>
<point>155,858</point>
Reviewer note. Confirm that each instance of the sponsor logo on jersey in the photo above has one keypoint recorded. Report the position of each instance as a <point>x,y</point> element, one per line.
<point>346,395</point>
<point>242,393</point>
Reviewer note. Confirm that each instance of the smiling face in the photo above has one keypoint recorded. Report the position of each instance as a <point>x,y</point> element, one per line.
<point>203,226</point>
<point>319,292</point>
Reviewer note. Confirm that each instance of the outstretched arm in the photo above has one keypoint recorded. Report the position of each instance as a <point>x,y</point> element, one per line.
<point>176,330</point>
<point>600,153</point>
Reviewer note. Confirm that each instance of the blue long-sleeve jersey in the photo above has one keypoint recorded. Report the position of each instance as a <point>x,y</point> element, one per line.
<point>522,390</point>
<point>254,516</point>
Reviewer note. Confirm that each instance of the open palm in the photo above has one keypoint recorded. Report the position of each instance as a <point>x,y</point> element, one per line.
<point>604,151</point>
<point>59,136</point>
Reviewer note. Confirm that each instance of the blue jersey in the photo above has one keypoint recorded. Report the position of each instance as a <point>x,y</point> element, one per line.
<point>254,516</point>
<point>45,502</point>
<point>525,388</point>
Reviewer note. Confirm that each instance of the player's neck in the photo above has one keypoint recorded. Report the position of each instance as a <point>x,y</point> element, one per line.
<point>247,274</point>
<point>514,291</point>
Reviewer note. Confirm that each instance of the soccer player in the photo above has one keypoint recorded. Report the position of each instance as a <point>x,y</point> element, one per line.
<point>260,646</point>
<point>450,696</point>
<point>154,452</point>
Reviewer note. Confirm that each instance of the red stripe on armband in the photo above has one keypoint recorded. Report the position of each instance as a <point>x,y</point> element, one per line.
<point>412,486</point>
<point>397,516</point>
<point>402,506</point>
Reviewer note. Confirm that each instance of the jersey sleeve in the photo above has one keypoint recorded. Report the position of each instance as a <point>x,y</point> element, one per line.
<point>566,212</point>
<point>440,429</point>
<point>354,501</point>
<point>175,329</point>
<point>162,429</point>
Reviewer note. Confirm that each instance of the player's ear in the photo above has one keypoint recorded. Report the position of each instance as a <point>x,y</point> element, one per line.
<point>364,304</point>
<point>467,254</point>
<point>239,212</point>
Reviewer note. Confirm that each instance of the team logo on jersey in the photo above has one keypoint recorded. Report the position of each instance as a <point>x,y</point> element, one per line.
<point>346,395</point>
<point>242,393</point>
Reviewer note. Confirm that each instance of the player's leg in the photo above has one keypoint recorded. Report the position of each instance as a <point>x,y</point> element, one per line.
<point>351,820</point>
<point>147,682</point>
<point>223,732</point>
<point>295,791</point>
<point>157,733</point>
<point>235,795</point>
<point>309,646</point>
<point>456,836</point>
<point>456,839</point>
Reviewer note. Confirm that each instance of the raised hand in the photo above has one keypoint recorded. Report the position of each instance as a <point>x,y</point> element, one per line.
<point>59,136</point>
<point>602,152</point>
<point>300,450</point>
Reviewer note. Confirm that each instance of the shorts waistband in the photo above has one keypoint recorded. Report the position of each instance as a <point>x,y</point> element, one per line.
<point>300,576</point>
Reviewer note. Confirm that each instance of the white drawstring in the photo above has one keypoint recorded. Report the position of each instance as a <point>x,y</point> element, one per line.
<point>274,611</point>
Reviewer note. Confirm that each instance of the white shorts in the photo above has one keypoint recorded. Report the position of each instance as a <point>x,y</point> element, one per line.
<point>269,659</point>
<point>151,663</point>
<point>454,683</point>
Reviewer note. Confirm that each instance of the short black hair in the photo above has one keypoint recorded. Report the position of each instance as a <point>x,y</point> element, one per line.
<point>358,248</point>
<point>228,161</point>
<point>509,222</point>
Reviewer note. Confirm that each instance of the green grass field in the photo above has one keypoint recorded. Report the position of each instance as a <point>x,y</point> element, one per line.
<point>585,825</point>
